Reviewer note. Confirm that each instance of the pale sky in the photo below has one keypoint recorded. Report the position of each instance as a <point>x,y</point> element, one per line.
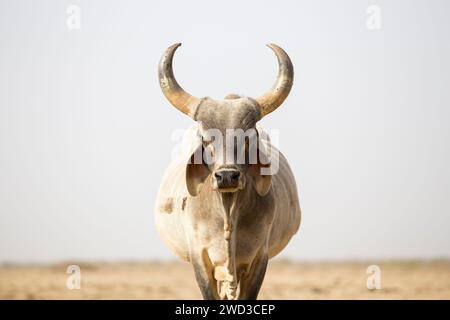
<point>85,132</point>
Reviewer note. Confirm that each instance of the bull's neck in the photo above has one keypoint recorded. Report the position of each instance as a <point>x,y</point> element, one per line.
<point>228,201</point>
<point>235,202</point>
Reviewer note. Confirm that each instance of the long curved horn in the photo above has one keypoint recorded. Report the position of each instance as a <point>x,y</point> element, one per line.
<point>275,97</point>
<point>179,98</point>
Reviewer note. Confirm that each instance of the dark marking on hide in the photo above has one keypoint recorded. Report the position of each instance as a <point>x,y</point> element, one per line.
<point>167,205</point>
<point>183,204</point>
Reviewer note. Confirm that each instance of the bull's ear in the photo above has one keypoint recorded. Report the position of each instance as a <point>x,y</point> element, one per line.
<point>196,172</point>
<point>262,181</point>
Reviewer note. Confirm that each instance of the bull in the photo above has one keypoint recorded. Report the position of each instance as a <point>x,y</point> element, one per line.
<point>227,217</point>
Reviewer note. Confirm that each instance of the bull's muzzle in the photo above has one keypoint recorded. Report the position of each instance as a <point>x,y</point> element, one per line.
<point>227,180</point>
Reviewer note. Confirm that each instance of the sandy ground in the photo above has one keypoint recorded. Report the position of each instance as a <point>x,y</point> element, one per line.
<point>284,280</point>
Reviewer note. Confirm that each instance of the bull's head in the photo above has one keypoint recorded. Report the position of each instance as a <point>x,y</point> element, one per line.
<point>227,129</point>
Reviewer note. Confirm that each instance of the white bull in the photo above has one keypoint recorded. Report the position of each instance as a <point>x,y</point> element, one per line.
<point>227,218</point>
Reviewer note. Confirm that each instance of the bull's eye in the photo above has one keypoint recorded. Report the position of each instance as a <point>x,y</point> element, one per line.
<point>208,153</point>
<point>247,144</point>
<point>211,149</point>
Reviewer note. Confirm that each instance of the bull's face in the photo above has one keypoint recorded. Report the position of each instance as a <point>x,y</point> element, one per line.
<point>230,150</point>
<point>229,140</point>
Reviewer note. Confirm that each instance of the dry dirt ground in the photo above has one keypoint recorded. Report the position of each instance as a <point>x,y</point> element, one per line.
<point>284,280</point>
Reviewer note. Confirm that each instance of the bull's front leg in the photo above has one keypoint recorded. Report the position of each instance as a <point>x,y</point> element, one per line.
<point>251,280</point>
<point>204,270</point>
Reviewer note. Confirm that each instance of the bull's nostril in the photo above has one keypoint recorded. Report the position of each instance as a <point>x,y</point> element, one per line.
<point>235,176</point>
<point>218,176</point>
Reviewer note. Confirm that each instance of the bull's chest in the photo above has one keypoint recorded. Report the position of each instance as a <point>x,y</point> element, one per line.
<point>240,234</point>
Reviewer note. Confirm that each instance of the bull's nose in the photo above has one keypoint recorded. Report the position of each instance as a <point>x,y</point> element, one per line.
<point>227,178</point>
